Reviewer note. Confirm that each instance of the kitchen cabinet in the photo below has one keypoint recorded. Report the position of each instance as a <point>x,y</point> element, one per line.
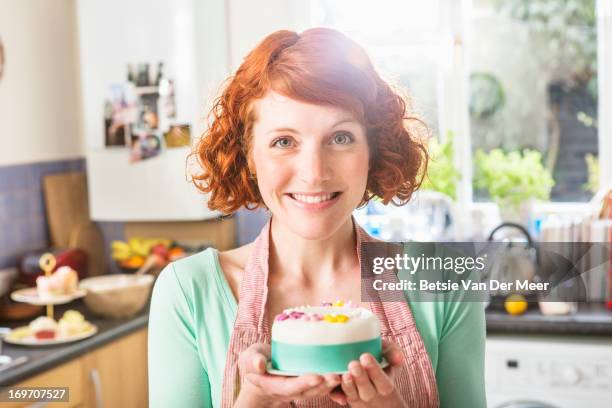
<point>117,373</point>
<point>114,375</point>
<point>66,375</point>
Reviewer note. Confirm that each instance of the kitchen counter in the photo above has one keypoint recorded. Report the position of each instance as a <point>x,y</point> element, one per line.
<point>42,358</point>
<point>591,319</point>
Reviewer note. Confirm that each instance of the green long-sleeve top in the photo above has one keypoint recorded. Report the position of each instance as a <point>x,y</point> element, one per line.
<point>192,316</point>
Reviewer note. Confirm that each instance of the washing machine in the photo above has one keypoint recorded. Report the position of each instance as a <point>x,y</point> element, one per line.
<point>527,371</point>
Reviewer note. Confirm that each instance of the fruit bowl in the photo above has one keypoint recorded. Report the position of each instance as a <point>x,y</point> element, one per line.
<point>117,295</point>
<point>146,255</point>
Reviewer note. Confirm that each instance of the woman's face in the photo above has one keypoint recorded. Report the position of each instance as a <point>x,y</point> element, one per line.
<point>311,163</point>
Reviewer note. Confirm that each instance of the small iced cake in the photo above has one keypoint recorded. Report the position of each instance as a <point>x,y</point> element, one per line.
<point>63,281</point>
<point>323,339</point>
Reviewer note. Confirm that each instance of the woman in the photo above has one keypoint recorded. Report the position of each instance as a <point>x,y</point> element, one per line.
<point>308,129</point>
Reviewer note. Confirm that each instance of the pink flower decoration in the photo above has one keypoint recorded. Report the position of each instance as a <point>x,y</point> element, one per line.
<point>326,304</point>
<point>295,315</point>
<point>282,316</point>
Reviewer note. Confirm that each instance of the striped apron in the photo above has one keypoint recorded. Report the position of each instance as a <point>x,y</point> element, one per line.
<point>415,380</point>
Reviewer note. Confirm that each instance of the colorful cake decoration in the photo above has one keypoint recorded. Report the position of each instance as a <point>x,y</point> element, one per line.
<point>331,317</point>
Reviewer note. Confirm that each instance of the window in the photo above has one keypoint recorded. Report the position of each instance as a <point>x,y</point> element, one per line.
<point>533,84</point>
<point>509,74</point>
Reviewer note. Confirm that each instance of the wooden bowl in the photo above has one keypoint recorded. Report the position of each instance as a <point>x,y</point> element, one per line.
<point>117,295</point>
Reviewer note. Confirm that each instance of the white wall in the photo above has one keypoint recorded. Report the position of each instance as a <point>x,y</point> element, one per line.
<point>250,21</point>
<point>39,92</point>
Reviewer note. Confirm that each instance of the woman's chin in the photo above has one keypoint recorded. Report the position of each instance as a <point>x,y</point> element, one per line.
<point>315,224</point>
<point>313,229</point>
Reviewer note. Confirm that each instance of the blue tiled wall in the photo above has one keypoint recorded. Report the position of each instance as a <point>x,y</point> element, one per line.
<point>23,223</point>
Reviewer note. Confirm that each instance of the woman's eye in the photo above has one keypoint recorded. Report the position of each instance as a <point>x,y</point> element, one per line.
<point>343,138</point>
<point>283,142</point>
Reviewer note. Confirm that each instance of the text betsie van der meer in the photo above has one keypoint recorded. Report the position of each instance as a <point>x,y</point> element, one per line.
<point>458,265</point>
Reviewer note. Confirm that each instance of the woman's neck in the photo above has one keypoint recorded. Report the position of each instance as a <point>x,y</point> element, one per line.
<point>312,261</point>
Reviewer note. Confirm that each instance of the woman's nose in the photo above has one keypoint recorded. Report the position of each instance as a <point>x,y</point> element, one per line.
<point>314,167</point>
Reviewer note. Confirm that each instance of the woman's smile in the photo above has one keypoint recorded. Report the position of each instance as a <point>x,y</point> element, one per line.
<point>314,201</point>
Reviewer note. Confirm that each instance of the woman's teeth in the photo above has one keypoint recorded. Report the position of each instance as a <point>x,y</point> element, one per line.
<point>310,199</point>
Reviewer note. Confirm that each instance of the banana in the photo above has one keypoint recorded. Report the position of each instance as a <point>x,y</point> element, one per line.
<point>120,245</point>
<point>120,250</point>
<point>136,246</point>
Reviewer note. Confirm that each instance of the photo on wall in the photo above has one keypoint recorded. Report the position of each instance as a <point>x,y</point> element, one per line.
<point>119,112</point>
<point>144,144</point>
<point>140,114</point>
<point>148,117</point>
<point>178,136</point>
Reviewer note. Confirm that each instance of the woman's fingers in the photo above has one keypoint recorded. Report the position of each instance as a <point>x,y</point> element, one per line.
<point>330,382</point>
<point>253,364</point>
<point>285,386</point>
<point>381,381</point>
<point>254,358</point>
<point>349,388</point>
<point>392,353</point>
<point>365,388</point>
<point>257,364</point>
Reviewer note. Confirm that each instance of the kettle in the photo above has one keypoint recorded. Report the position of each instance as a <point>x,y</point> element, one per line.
<point>519,259</point>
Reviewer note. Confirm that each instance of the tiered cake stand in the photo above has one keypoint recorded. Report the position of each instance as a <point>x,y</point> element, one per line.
<point>30,295</point>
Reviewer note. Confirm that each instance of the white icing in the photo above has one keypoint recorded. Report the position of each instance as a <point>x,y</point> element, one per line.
<point>362,325</point>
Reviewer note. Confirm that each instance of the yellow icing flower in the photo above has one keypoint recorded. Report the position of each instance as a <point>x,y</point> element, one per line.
<point>329,318</point>
<point>333,318</point>
<point>341,318</point>
<point>338,303</point>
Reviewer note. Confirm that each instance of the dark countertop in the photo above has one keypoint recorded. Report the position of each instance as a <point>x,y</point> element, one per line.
<point>42,358</point>
<point>590,319</point>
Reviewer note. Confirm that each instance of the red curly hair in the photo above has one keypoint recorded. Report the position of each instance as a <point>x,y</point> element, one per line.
<point>319,66</point>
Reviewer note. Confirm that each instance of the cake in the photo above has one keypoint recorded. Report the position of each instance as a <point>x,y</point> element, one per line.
<point>323,339</point>
<point>71,324</point>
<point>43,327</point>
<point>62,282</point>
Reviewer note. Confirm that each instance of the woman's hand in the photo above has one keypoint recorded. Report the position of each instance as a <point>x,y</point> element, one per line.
<point>368,385</point>
<point>261,389</point>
